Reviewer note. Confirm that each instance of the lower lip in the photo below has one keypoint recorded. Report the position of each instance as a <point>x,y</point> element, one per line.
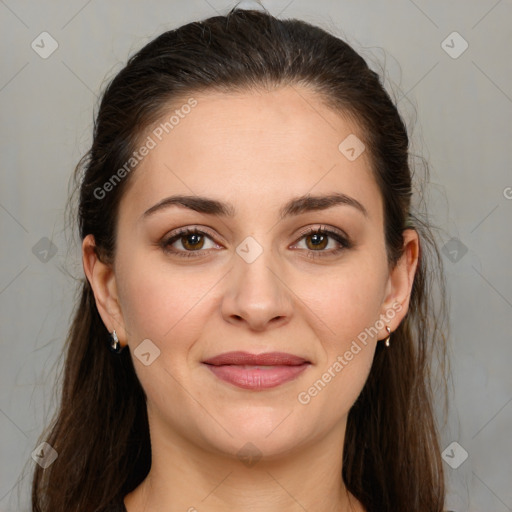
<point>257,378</point>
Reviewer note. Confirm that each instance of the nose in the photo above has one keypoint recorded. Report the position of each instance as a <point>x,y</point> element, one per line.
<point>256,294</point>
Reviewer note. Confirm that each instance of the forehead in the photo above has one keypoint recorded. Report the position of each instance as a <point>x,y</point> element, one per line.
<point>254,147</point>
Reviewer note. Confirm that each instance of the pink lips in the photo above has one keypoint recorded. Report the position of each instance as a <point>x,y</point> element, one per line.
<point>245,370</point>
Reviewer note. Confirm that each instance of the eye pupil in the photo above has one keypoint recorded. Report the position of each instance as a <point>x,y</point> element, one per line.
<point>318,239</point>
<point>192,239</point>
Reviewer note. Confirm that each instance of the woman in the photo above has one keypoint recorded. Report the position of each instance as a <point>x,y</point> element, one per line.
<point>253,263</point>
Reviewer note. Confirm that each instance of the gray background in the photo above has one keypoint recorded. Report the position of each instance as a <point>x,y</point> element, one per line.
<point>458,109</point>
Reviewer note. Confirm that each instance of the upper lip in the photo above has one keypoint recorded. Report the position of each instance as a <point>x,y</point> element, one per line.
<point>265,359</point>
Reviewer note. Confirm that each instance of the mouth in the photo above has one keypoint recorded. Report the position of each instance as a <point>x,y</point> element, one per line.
<point>256,371</point>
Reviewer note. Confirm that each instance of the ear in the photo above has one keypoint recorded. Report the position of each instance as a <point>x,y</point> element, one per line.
<point>103,283</point>
<point>401,278</point>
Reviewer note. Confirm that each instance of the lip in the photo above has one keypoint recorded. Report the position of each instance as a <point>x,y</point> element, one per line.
<point>244,370</point>
<point>264,359</point>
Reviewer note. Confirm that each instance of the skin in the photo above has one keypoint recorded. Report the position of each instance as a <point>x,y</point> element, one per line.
<point>256,151</point>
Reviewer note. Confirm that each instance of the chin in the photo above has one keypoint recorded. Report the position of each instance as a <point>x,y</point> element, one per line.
<point>267,436</point>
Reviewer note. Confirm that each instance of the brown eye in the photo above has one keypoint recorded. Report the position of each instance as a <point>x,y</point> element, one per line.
<point>318,239</point>
<point>191,241</point>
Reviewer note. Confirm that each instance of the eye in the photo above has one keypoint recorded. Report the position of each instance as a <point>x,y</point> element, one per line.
<point>319,240</point>
<point>191,240</point>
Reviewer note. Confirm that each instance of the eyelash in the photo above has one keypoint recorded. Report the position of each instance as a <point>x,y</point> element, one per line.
<point>343,241</point>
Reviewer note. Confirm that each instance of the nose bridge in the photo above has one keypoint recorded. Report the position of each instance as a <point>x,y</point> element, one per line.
<point>254,266</point>
<point>256,292</point>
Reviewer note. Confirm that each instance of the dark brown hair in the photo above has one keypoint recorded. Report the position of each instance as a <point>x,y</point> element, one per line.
<point>391,456</point>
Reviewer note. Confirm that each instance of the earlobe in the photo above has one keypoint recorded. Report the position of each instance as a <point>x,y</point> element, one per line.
<point>401,279</point>
<point>103,283</point>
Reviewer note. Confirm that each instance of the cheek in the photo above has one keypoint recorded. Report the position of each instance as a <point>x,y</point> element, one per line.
<point>348,301</point>
<point>345,311</point>
<point>158,302</point>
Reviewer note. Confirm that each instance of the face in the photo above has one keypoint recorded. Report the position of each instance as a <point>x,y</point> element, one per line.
<point>256,278</point>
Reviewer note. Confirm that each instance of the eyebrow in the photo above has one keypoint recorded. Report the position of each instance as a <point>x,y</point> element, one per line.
<point>295,206</point>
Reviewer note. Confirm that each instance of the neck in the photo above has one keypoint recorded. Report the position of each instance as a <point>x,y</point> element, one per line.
<point>185,477</point>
